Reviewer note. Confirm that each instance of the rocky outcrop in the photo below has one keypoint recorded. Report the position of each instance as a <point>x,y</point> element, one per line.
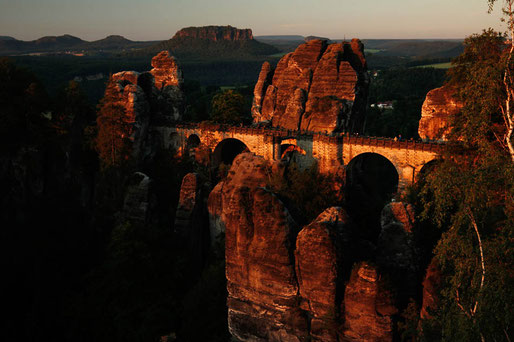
<point>439,107</point>
<point>319,87</point>
<point>259,238</point>
<point>150,98</point>
<point>396,252</point>
<point>137,198</point>
<point>188,204</point>
<point>368,306</point>
<point>431,288</point>
<point>191,220</point>
<point>319,267</point>
<point>215,33</point>
<point>262,84</point>
<point>166,71</point>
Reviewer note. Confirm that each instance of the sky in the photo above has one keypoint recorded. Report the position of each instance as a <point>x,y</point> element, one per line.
<point>160,19</point>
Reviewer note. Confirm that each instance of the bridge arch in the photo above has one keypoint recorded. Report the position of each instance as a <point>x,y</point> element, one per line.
<point>370,170</point>
<point>226,150</point>
<point>371,182</point>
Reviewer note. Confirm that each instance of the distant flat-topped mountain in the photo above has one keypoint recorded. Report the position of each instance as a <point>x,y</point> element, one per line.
<point>213,42</point>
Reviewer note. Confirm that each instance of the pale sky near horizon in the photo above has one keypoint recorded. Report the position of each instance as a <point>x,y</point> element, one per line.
<point>160,19</point>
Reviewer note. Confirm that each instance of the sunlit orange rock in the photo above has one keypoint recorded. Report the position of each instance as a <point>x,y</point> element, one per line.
<point>166,71</point>
<point>368,306</point>
<point>439,107</point>
<point>259,240</point>
<point>318,269</point>
<point>319,87</point>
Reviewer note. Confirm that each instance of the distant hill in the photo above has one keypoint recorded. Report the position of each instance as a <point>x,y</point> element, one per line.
<point>283,43</point>
<point>114,43</point>
<point>215,42</point>
<point>60,44</point>
<point>44,44</point>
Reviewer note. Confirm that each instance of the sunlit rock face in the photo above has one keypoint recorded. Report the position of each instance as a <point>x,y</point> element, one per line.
<point>166,71</point>
<point>319,87</point>
<point>439,107</point>
<point>150,98</point>
<point>259,238</point>
<point>319,261</point>
<point>368,306</point>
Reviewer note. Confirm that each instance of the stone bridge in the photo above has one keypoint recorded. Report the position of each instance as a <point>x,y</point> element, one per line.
<point>333,153</point>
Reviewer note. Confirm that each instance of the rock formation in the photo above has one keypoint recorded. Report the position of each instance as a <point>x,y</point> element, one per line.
<point>213,42</point>
<point>191,219</point>
<point>396,252</point>
<point>439,107</point>
<point>215,33</point>
<point>166,71</point>
<point>368,306</point>
<point>284,286</point>
<point>319,87</point>
<point>262,288</point>
<point>149,97</point>
<point>319,261</point>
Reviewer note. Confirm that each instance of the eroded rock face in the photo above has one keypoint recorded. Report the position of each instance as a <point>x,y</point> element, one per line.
<point>166,71</point>
<point>259,237</point>
<point>149,97</point>
<point>329,76</point>
<point>187,203</point>
<point>439,106</point>
<point>263,82</point>
<point>318,269</point>
<point>368,306</point>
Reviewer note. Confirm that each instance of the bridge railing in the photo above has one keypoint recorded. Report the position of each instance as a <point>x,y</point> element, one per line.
<point>345,138</point>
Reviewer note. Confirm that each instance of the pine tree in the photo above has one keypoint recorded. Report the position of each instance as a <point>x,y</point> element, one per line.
<point>114,131</point>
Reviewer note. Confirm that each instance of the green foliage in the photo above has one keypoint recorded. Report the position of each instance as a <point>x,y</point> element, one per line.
<point>229,107</point>
<point>470,196</point>
<point>306,193</point>
<point>407,88</point>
